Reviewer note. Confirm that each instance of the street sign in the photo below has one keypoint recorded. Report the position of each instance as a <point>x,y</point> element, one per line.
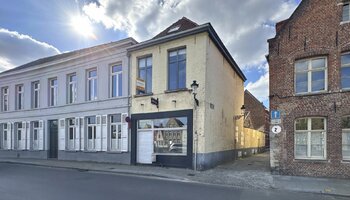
<point>276,129</point>
<point>276,121</point>
<point>155,101</point>
<point>275,114</point>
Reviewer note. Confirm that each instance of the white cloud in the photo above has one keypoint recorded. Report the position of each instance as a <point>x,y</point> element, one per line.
<point>17,49</point>
<point>260,88</point>
<point>244,26</point>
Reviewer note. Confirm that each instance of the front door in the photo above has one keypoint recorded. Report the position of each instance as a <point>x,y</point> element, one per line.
<point>53,132</point>
<point>144,147</point>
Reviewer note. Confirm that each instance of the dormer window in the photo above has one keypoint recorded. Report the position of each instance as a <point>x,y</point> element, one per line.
<point>346,12</point>
<point>173,29</point>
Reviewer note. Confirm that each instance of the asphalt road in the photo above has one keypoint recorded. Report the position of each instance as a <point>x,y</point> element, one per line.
<point>24,182</point>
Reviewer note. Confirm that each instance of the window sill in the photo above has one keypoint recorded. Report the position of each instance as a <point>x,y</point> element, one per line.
<point>177,90</point>
<point>311,93</point>
<point>307,160</point>
<point>143,95</point>
<point>344,22</point>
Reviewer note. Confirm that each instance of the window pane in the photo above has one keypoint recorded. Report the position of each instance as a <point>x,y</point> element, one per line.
<point>182,54</point>
<point>172,56</point>
<point>170,122</point>
<point>317,124</point>
<point>301,66</point>
<point>173,76</point>
<point>301,82</point>
<point>318,81</point>
<point>345,122</point>
<point>318,64</point>
<point>142,63</point>
<point>71,133</point>
<point>301,145</point>
<point>145,124</point>
<point>113,132</point>
<point>120,85</point>
<point>345,77</point>
<point>182,74</point>
<point>170,141</point>
<point>301,124</point>
<point>117,68</point>
<point>317,144</point>
<point>114,86</point>
<point>346,145</point>
<point>92,73</point>
<point>345,59</point>
<point>95,89</point>
<point>149,80</point>
<point>115,118</point>
<point>90,132</point>
<point>346,12</point>
<point>142,74</point>
<point>149,62</point>
<point>19,135</point>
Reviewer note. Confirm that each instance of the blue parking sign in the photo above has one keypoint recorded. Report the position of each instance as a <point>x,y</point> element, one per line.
<point>275,114</point>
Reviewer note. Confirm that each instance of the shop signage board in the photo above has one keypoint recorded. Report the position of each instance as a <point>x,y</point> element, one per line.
<point>140,85</point>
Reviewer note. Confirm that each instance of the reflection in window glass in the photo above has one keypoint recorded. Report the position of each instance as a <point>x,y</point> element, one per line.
<point>345,71</point>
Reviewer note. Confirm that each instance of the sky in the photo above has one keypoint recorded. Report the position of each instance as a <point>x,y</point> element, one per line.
<point>33,29</point>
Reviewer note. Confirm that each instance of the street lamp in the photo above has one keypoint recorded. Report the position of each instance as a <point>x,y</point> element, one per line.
<point>243,110</point>
<point>194,87</point>
<point>243,114</point>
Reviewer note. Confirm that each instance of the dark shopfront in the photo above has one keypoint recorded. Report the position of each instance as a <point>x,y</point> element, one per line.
<point>163,138</point>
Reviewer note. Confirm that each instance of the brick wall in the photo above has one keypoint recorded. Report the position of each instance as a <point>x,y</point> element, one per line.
<point>313,30</point>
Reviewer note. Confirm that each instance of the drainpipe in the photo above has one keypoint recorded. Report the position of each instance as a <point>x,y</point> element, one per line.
<point>195,136</point>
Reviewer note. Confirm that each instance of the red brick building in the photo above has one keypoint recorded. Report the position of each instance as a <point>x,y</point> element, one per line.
<point>309,62</point>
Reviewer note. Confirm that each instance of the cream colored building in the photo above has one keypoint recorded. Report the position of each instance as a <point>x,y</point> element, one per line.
<point>177,132</point>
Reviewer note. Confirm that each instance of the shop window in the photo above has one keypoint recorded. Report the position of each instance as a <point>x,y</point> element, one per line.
<point>310,138</point>
<point>177,69</point>
<point>311,76</point>
<point>346,137</point>
<point>170,135</point>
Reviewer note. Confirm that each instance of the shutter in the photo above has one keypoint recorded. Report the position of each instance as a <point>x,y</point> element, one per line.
<point>41,135</point>
<point>104,133</point>
<point>24,135</point>
<point>77,134</point>
<point>13,136</point>
<point>62,135</point>
<point>9,136</point>
<point>29,136</point>
<point>125,133</point>
<point>98,141</point>
<point>82,134</point>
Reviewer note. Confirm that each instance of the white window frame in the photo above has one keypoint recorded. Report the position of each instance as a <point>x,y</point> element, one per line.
<point>5,131</point>
<point>309,132</point>
<point>93,134</point>
<point>71,126</point>
<point>116,75</point>
<point>118,141</point>
<point>36,90</point>
<point>345,130</point>
<point>347,3</point>
<point>36,128</point>
<point>53,92</point>
<point>148,88</point>
<point>5,99</point>
<point>19,97</point>
<point>91,93</point>
<point>18,140</point>
<point>309,75</point>
<point>72,89</point>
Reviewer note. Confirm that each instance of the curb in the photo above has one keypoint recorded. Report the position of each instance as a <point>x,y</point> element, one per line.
<point>120,172</point>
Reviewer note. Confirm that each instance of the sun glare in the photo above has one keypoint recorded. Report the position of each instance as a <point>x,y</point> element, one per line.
<point>82,25</point>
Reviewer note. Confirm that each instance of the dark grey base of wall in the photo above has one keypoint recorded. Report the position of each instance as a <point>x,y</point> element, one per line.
<point>24,154</point>
<point>119,158</point>
<point>207,161</point>
<point>210,160</point>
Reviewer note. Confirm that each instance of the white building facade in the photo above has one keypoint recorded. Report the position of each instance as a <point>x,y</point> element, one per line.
<point>73,106</point>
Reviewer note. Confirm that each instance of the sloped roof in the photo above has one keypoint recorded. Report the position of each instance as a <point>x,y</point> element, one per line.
<point>181,25</point>
<point>62,56</point>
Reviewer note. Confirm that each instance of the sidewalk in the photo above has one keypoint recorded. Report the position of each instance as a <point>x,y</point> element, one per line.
<point>249,173</point>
